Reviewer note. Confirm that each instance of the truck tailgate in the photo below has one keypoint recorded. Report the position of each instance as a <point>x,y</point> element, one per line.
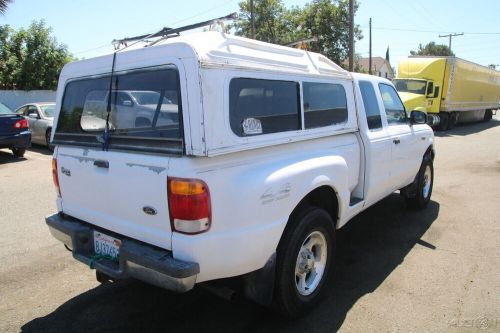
<point>122,192</point>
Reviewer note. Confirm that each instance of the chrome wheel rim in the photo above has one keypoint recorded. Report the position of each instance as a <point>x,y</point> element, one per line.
<point>427,181</point>
<point>311,263</point>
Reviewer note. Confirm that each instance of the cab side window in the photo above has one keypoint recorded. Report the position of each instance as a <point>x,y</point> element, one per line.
<point>394,108</point>
<point>370,102</point>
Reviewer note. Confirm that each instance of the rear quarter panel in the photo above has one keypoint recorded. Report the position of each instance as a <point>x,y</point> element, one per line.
<point>254,192</point>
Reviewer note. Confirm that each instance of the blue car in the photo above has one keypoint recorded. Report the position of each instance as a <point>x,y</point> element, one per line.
<point>14,131</point>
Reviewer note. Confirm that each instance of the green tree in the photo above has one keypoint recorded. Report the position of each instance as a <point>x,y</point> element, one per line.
<point>269,21</point>
<point>30,59</point>
<point>327,20</point>
<point>431,49</point>
<point>3,6</point>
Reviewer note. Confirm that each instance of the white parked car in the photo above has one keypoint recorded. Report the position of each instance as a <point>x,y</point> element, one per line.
<point>271,151</point>
<point>40,117</point>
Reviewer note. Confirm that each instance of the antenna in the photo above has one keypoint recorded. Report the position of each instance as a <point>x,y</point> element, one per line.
<point>169,32</point>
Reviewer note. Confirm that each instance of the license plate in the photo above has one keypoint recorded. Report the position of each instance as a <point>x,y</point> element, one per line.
<point>106,245</point>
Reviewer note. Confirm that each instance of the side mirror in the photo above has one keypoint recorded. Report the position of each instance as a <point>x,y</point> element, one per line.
<point>418,117</point>
<point>33,116</point>
<point>127,102</point>
<point>436,92</point>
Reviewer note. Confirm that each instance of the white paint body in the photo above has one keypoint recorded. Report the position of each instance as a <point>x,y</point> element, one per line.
<point>254,182</point>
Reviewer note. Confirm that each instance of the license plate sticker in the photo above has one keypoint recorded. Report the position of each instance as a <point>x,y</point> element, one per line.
<point>106,245</point>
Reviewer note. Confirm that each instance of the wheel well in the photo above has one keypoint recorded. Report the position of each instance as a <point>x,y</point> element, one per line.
<point>323,197</point>
<point>430,151</point>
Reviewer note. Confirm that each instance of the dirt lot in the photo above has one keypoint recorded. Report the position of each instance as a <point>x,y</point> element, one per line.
<point>398,270</point>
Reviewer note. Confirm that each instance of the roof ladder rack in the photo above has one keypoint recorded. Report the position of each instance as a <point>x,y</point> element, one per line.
<point>169,32</point>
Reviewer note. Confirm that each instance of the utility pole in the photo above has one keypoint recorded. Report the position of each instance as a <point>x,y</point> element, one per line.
<point>351,35</point>
<point>370,59</point>
<point>449,36</point>
<point>252,19</point>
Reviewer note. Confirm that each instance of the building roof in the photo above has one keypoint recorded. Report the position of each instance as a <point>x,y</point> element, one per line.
<point>377,63</point>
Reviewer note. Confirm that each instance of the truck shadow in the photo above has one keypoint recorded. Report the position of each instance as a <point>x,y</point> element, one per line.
<point>469,128</point>
<point>370,247</point>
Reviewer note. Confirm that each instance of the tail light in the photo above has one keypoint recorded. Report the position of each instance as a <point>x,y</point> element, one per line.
<point>55,177</point>
<point>23,123</point>
<point>189,205</point>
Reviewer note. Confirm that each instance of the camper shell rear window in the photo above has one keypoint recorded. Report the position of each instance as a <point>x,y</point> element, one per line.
<point>145,111</point>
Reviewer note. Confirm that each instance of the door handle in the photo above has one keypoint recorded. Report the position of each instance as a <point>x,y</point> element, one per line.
<point>396,141</point>
<point>101,164</point>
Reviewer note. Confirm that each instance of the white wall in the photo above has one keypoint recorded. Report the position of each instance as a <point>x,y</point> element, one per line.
<point>15,98</point>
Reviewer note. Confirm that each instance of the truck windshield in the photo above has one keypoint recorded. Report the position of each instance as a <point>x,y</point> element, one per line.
<point>411,86</point>
<point>145,111</point>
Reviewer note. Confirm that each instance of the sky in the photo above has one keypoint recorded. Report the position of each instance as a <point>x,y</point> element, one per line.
<point>88,27</point>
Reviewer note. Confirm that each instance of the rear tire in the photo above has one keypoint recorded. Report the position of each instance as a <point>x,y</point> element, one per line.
<point>444,119</point>
<point>425,182</point>
<point>305,259</point>
<point>47,139</point>
<point>18,152</point>
<point>452,122</point>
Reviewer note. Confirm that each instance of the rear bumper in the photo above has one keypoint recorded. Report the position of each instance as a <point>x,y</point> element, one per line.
<point>136,259</point>
<point>20,140</point>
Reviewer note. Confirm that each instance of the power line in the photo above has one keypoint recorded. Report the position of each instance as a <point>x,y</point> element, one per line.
<point>433,31</point>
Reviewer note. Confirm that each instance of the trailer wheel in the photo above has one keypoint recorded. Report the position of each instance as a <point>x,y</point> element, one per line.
<point>425,182</point>
<point>452,121</point>
<point>488,114</point>
<point>444,119</point>
<point>305,259</point>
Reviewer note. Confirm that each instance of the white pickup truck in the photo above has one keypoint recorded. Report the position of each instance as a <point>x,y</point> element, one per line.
<point>272,149</point>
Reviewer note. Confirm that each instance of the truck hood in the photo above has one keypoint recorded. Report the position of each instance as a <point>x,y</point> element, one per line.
<point>413,101</point>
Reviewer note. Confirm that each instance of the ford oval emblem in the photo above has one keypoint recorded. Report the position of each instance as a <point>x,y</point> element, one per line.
<point>149,210</point>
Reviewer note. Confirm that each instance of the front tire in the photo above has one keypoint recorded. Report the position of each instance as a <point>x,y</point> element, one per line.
<point>304,262</point>
<point>425,182</point>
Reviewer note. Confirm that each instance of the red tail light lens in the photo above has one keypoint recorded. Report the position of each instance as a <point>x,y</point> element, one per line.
<point>189,205</point>
<point>55,177</point>
<point>23,123</point>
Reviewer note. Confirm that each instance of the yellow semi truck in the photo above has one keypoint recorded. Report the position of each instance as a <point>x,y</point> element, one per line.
<point>449,89</point>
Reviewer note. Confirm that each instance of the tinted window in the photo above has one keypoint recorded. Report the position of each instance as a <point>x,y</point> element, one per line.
<point>324,104</point>
<point>394,108</point>
<point>4,109</point>
<point>132,123</point>
<point>263,106</point>
<point>371,105</point>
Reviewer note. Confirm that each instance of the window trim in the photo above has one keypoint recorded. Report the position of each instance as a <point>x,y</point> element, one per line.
<point>299,107</point>
<point>350,126</point>
<point>176,146</point>
<point>383,105</point>
<point>382,115</point>
<point>302,104</point>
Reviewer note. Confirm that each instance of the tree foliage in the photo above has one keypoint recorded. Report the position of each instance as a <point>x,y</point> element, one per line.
<point>431,49</point>
<point>327,20</point>
<point>3,6</point>
<point>30,59</point>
